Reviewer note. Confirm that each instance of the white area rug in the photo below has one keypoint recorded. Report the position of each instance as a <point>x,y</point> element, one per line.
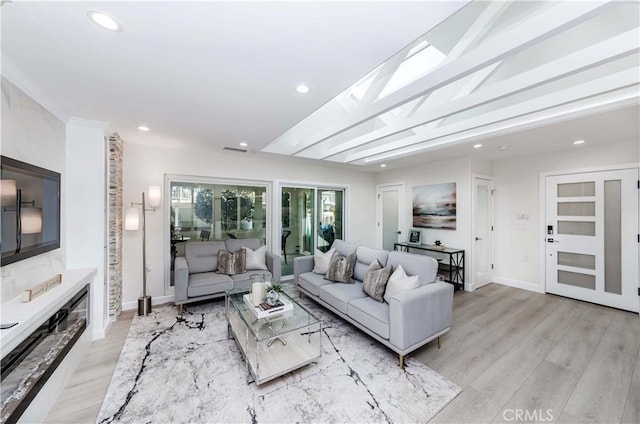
<point>174,371</point>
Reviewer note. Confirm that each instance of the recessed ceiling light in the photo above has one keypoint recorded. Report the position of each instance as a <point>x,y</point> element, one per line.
<point>477,146</point>
<point>244,143</point>
<point>143,128</point>
<point>383,165</point>
<point>503,147</point>
<point>302,89</point>
<point>104,20</point>
<point>578,142</point>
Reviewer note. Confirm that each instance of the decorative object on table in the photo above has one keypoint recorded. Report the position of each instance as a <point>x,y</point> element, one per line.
<point>42,288</point>
<point>434,206</point>
<point>372,386</point>
<point>438,245</point>
<point>257,289</point>
<point>273,293</point>
<point>264,310</point>
<point>414,236</point>
<point>133,222</point>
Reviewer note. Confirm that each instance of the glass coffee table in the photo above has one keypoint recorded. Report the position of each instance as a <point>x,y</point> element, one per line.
<point>274,345</point>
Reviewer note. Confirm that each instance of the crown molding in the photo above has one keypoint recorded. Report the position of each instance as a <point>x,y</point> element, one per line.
<point>18,78</point>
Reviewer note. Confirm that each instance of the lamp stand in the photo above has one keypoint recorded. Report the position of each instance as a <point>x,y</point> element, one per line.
<point>144,301</point>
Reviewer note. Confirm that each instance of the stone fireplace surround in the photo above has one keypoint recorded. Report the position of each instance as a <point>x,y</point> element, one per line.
<point>51,361</point>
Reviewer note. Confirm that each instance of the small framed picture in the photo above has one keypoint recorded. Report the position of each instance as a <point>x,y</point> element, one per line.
<point>414,236</point>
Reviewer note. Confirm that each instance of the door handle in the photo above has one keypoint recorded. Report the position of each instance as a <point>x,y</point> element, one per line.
<point>478,238</point>
<point>398,232</point>
<point>551,240</point>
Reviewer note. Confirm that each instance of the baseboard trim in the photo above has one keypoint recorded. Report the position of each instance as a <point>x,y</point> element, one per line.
<point>525,285</point>
<point>158,300</point>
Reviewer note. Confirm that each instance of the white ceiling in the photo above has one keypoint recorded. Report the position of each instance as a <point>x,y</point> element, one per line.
<point>212,74</point>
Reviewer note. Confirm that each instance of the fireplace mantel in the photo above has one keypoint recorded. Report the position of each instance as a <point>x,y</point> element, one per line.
<point>30,315</point>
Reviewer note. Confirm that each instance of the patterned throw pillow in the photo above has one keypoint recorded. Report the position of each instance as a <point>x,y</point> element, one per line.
<point>341,268</point>
<point>375,282</point>
<point>321,261</point>
<point>232,263</point>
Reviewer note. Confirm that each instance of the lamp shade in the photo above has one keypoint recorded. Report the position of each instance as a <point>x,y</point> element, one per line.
<point>31,220</point>
<point>8,192</point>
<point>155,196</point>
<point>132,219</point>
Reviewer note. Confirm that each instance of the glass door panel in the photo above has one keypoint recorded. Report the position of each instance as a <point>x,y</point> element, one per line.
<point>297,218</point>
<point>330,217</point>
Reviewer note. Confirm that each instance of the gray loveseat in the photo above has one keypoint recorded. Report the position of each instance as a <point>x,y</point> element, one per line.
<point>195,275</point>
<point>411,319</point>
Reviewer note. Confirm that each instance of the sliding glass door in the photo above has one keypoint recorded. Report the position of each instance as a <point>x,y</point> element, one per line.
<point>311,218</point>
<point>202,211</point>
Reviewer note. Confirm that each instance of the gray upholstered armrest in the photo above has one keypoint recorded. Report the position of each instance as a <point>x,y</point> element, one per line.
<point>274,264</point>
<point>418,314</point>
<point>302,264</point>
<point>180,279</point>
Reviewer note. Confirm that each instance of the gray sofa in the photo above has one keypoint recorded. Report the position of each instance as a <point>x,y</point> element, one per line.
<point>195,275</point>
<point>411,319</point>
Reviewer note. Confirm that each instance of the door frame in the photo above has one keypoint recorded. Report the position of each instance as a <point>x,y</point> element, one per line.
<point>542,212</point>
<point>402,221</point>
<point>472,285</point>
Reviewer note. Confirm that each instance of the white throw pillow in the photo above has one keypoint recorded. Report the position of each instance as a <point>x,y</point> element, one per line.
<point>321,261</point>
<point>399,281</point>
<point>256,259</point>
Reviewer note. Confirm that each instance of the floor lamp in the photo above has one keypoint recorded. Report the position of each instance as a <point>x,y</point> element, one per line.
<point>133,220</point>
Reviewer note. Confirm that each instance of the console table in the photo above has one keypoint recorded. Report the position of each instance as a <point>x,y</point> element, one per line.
<point>450,260</point>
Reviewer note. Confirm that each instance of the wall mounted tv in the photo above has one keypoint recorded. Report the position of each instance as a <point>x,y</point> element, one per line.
<point>30,211</point>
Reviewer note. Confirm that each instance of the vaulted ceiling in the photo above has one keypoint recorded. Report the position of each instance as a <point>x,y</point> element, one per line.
<point>388,80</point>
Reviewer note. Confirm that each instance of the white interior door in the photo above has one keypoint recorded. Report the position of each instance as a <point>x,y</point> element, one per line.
<point>390,215</point>
<point>591,242</point>
<point>482,232</point>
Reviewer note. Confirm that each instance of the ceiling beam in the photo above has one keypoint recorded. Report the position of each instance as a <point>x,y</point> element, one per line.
<point>547,23</point>
<point>605,51</point>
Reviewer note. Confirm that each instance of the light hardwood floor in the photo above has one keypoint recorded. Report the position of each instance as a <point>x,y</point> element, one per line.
<point>511,351</point>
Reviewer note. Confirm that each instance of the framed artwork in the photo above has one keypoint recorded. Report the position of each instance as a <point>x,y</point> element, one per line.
<point>434,206</point>
<point>414,236</point>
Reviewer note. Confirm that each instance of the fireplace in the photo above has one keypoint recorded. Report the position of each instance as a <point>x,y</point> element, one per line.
<point>27,368</point>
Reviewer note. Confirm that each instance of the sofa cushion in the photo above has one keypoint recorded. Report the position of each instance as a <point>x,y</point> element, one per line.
<point>312,282</point>
<point>365,257</point>
<point>206,283</point>
<point>202,256</point>
<point>321,261</point>
<point>234,245</point>
<point>256,259</point>
<point>344,248</point>
<point>375,282</point>
<point>243,281</point>
<point>422,265</point>
<point>339,295</point>
<point>400,281</point>
<point>231,263</point>
<point>341,268</point>
<point>373,315</point>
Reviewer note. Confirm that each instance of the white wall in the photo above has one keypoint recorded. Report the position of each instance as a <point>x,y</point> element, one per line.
<point>32,134</point>
<point>516,241</point>
<point>456,170</point>
<point>86,204</point>
<point>146,165</point>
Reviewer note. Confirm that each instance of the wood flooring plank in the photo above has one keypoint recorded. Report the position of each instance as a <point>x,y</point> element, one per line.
<point>468,365</point>
<point>575,350</point>
<point>471,406</point>
<point>601,393</point>
<point>559,321</point>
<point>508,373</point>
<point>542,395</point>
<point>631,412</point>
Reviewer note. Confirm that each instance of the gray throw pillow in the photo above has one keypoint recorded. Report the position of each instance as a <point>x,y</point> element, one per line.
<point>375,282</point>
<point>341,268</point>
<point>232,263</point>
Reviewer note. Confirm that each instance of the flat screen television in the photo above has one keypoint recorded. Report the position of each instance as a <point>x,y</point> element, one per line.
<point>30,212</point>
